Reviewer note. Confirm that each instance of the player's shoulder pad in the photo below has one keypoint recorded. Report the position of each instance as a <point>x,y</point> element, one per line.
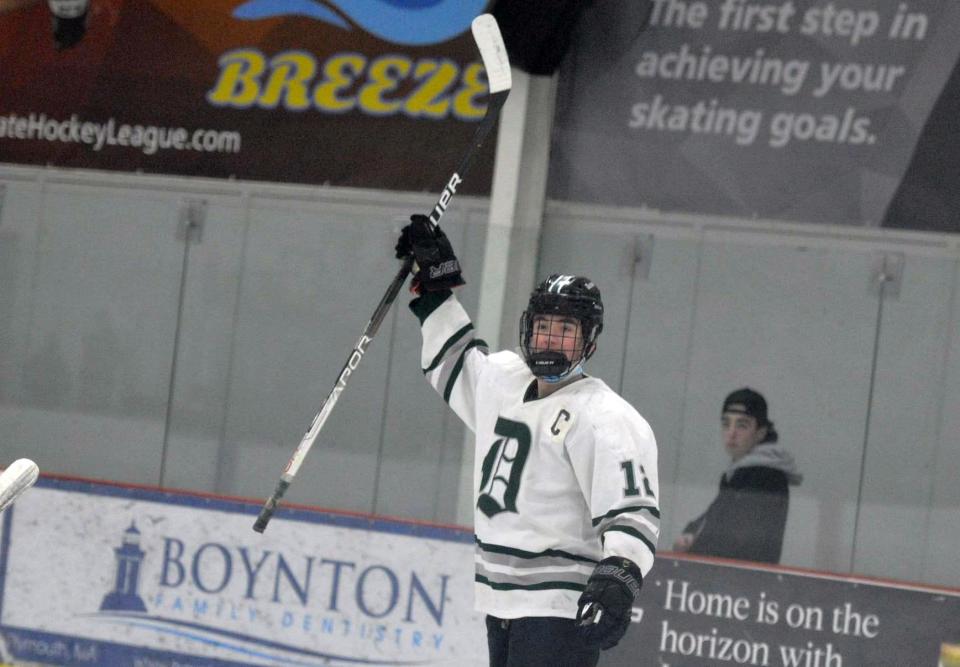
<point>614,419</point>
<point>509,362</point>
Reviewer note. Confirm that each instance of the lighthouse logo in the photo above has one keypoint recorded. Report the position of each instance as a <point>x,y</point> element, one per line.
<point>124,596</point>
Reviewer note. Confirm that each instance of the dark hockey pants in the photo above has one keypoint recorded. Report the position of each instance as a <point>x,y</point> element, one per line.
<point>537,642</point>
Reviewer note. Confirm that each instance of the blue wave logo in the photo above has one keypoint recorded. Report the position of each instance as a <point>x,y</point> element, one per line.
<point>408,22</point>
<point>244,646</point>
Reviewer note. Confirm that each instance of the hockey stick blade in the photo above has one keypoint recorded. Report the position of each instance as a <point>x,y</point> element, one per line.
<point>489,41</point>
<point>486,34</point>
<point>17,478</point>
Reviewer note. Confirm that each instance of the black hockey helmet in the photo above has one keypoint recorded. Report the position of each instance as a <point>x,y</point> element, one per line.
<point>570,296</point>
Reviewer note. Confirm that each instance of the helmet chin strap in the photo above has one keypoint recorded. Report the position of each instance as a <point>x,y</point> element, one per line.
<point>541,359</point>
<point>553,379</point>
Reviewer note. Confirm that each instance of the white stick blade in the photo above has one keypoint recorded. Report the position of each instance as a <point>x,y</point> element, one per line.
<point>486,33</point>
<point>17,478</point>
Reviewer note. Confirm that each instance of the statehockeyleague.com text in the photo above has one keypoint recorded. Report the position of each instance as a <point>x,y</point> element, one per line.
<point>148,138</point>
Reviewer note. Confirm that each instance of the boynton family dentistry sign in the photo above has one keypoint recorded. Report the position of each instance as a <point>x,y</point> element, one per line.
<point>97,575</point>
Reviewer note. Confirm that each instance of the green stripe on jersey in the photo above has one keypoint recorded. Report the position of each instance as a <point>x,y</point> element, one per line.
<point>519,553</point>
<point>437,360</point>
<point>543,586</point>
<point>459,367</point>
<point>633,532</point>
<point>624,510</point>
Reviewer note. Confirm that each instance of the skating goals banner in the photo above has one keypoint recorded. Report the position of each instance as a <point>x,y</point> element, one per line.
<point>371,93</point>
<point>824,111</point>
<point>95,574</point>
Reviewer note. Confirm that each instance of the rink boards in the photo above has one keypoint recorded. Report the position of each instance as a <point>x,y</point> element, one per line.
<point>93,574</point>
<point>97,574</point>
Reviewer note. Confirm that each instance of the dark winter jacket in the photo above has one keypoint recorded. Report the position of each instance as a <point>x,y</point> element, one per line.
<point>747,519</point>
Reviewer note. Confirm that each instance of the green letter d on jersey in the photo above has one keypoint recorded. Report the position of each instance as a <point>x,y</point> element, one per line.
<point>502,468</point>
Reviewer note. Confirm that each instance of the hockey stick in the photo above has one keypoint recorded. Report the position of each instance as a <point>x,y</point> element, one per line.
<point>17,478</point>
<point>486,33</point>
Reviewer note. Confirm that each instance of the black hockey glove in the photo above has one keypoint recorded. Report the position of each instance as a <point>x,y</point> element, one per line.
<point>436,266</point>
<point>604,609</point>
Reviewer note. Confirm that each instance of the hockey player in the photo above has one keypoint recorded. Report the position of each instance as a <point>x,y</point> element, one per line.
<point>566,517</point>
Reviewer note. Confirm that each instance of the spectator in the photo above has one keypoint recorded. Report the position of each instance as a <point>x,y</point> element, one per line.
<point>746,520</point>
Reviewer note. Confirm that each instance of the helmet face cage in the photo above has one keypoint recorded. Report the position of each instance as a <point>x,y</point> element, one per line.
<point>572,297</point>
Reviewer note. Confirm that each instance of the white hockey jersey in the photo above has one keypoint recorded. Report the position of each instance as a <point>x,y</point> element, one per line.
<point>560,482</point>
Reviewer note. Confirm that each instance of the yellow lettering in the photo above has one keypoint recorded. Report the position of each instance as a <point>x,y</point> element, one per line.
<point>238,85</point>
<point>429,88</point>
<point>385,75</point>
<point>429,98</point>
<point>340,73</point>
<point>465,101</point>
<point>290,73</point>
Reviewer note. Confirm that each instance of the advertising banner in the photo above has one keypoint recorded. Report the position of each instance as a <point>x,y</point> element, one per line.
<point>697,614</point>
<point>378,94</point>
<point>795,110</point>
<point>98,575</point>
<point>95,574</point>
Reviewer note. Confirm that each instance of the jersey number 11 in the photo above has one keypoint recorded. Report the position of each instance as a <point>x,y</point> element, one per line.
<point>631,480</point>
